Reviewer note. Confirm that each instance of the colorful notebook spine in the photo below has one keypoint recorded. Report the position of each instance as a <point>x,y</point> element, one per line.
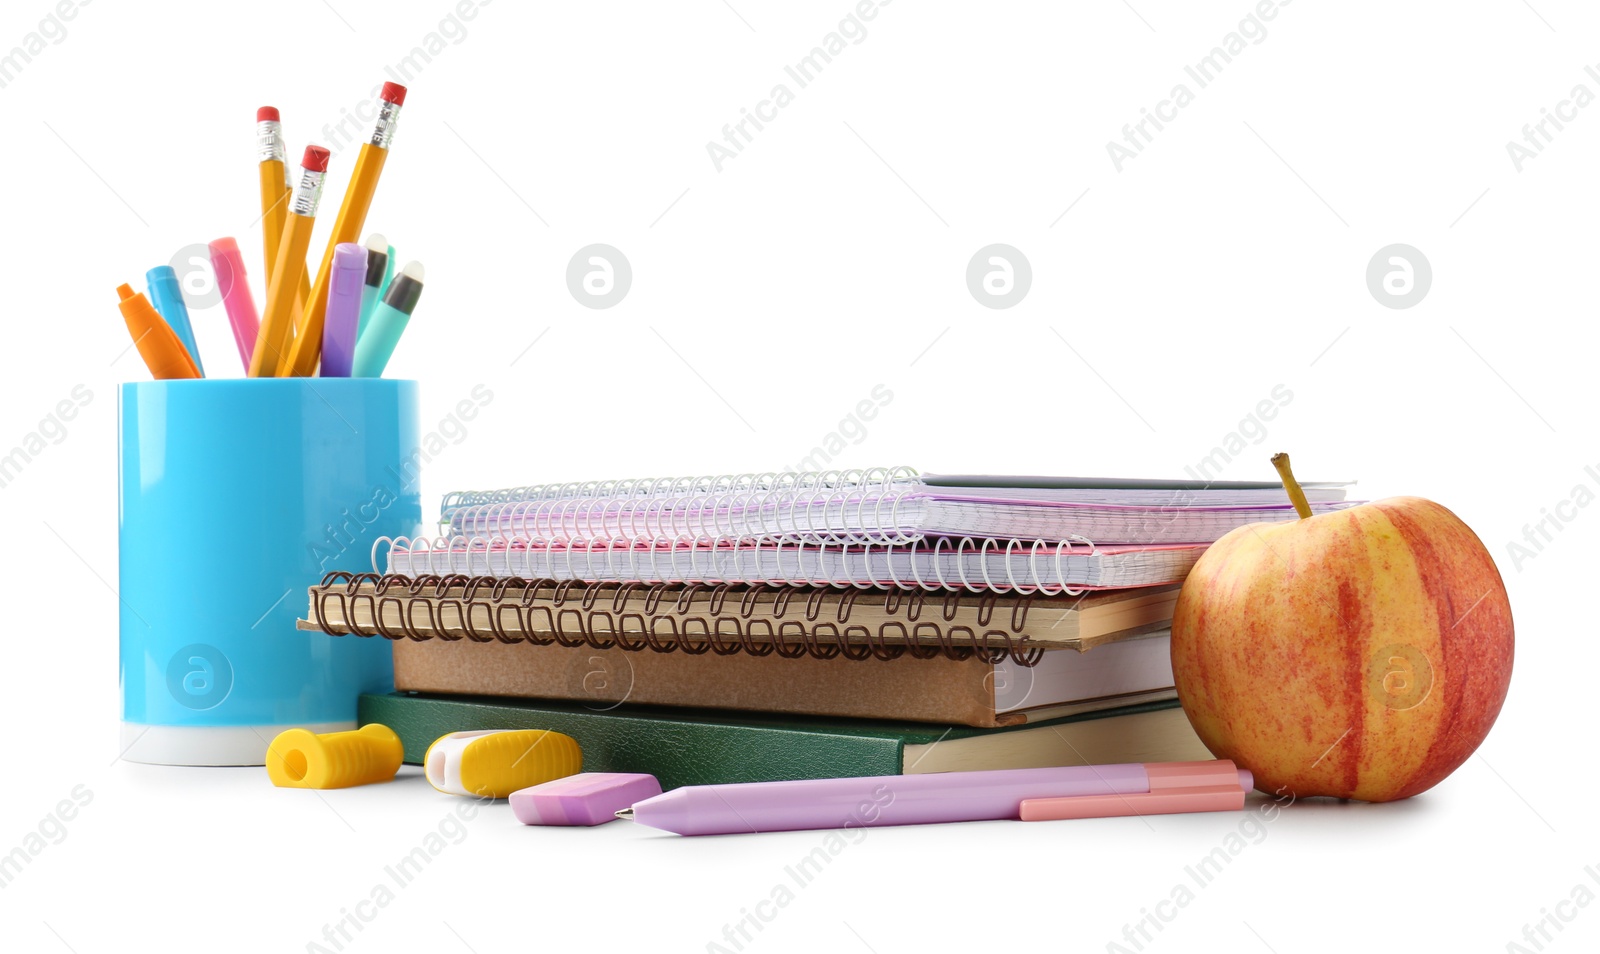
<point>635,617</point>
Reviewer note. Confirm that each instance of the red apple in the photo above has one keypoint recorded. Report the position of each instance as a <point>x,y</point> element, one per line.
<point>1362,653</point>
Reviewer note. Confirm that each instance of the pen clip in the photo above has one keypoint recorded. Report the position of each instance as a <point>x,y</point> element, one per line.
<point>1175,787</point>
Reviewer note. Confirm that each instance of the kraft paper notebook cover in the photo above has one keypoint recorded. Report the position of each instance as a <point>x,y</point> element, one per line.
<point>700,748</point>
<point>759,620</point>
<point>963,692</point>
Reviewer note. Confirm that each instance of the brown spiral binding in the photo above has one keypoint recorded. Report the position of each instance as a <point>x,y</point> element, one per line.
<point>636,616</point>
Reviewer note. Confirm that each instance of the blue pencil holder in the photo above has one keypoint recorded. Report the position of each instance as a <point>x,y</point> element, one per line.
<point>235,497</point>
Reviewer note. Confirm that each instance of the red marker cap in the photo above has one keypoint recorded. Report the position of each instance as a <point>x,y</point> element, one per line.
<point>393,93</point>
<point>315,159</point>
<point>267,112</point>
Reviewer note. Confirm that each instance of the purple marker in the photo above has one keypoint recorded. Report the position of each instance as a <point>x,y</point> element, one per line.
<point>344,309</point>
<point>816,804</point>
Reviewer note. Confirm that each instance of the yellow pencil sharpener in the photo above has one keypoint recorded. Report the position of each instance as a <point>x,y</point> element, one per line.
<point>298,758</point>
<point>493,763</point>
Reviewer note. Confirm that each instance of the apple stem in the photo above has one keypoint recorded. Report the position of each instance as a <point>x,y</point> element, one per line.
<point>1296,495</point>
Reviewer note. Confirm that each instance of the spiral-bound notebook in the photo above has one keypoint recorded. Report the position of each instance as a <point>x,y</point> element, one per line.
<point>758,620</point>
<point>973,660</point>
<point>976,566</point>
<point>875,506</point>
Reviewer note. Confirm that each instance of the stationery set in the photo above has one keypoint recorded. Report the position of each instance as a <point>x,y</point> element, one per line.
<point>700,655</point>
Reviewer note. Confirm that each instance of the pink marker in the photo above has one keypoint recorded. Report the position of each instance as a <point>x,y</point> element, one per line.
<point>1038,793</point>
<point>228,266</point>
<point>345,284</point>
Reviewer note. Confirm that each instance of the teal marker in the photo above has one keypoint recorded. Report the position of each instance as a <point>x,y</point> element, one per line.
<point>167,298</point>
<point>388,323</point>
<point>380,268</point>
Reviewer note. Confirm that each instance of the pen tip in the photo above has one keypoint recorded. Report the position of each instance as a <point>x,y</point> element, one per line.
<point>124,292</point>
<point>626,814</point>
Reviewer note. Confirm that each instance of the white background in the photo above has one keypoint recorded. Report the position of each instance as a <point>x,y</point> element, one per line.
<point>767,300</point>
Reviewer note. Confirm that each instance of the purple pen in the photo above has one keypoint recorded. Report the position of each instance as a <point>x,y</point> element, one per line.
<point>816,804</point>
<point>344,309</point>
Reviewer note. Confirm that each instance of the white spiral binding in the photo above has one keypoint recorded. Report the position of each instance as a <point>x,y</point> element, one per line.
<point>840,516</point>
<point>657,561</point>
<point>798,481</point>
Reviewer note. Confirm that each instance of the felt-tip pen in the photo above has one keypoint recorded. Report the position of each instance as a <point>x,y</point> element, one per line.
<point>1036,794</point>
<point>380,269</point>
<point>389,319</point>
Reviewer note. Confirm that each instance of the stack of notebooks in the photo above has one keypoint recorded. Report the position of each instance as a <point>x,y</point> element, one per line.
<point>771,626</point>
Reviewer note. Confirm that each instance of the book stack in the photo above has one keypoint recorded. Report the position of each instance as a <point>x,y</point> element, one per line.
<point>777,626</point>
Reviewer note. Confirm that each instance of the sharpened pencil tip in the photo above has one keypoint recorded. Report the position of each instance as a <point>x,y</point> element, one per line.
<point>626,814</point>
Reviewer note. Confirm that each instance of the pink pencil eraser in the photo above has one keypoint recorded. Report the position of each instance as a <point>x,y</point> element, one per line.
<point>393,93</point>
<point>588,798</point>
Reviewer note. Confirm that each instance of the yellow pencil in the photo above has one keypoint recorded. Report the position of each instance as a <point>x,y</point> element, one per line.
<point>277,322</point>
<point>307,347</point>
<point>275,195</point>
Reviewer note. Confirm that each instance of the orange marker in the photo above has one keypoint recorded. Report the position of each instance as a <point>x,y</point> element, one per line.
<point>346,228</point>
<point>158,344</point>
<point>277,322</point>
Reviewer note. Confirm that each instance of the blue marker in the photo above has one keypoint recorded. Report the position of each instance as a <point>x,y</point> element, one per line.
<point>167,298</point>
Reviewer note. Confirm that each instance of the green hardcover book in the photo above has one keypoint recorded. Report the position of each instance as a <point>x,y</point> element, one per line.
<point>701,747</point>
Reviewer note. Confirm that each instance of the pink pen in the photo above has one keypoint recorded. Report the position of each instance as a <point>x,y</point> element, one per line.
<point>228,266</point>
<point>343,315</point>
<point>1174,787</point>
<point>815,804</point>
